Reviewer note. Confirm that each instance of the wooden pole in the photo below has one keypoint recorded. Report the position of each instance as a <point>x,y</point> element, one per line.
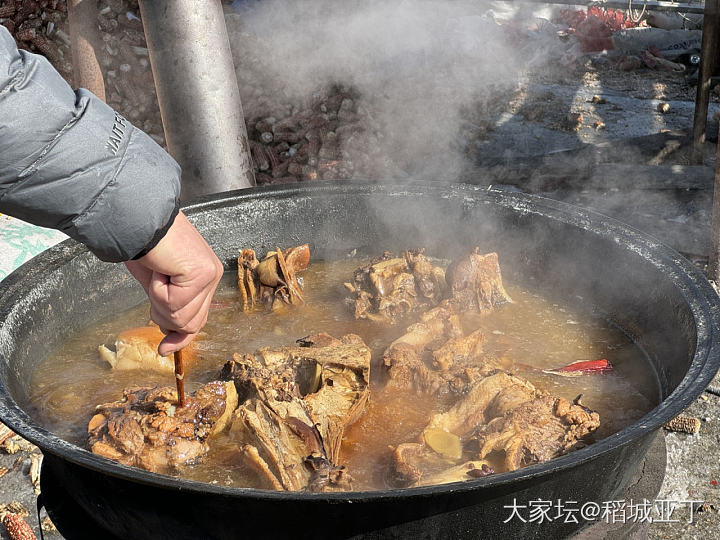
<point>711,22</point>
<point>84,38</point>
<point>714,259</point>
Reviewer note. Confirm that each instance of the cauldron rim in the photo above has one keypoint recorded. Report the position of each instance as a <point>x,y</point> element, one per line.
<point>696,290</point>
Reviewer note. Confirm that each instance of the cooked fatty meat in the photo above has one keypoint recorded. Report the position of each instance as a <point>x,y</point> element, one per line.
<point>297,403</point>
<point>271,281</point>
<point>500,413</point>
<point>137,348</point>
<point>146,429</point>
<point>391,287</point>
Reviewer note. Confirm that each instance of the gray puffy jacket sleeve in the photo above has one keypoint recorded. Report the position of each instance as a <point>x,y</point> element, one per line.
<point>69,162</point>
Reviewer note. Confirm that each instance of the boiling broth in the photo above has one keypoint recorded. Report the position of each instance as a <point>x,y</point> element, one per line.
<point>68,384</point>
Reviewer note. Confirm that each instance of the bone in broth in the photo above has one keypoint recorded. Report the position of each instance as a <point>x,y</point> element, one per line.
<point>532,332</point>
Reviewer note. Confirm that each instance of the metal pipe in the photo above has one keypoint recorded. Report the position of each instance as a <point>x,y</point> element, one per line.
<point>84,40</point>
<point>711,21</point>
<point>198,94</point>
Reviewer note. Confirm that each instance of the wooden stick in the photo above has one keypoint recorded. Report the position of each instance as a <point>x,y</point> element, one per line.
<point>714,259</point>
<point>179,378</point>
<point>708,46</point>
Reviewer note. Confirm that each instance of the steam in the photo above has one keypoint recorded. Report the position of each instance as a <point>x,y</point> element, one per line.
<point>417,67</point>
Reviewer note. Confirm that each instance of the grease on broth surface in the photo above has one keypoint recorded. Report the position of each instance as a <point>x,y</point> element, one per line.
<point>69,383</point>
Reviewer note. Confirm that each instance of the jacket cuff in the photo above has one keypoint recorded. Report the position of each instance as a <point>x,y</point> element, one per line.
<point>159,235</point>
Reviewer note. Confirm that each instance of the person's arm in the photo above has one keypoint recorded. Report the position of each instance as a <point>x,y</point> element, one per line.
<point>70,162</point>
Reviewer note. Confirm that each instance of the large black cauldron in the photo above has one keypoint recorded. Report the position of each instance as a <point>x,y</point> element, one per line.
<point>650,291</point>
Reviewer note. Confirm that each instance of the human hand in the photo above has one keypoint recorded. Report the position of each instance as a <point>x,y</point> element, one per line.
<point>179,275</point>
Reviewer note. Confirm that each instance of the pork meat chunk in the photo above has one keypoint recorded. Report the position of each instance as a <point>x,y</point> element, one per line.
<point>298,401</point>
<point>434,357</point>
<point>146,429</point>
<point>415,464</point>
<point>390,287</point>
<point>272,281</point>
<point>475,282</point>
<point>508,414</point>
<point>503,414</point>
<point>137,348</point>
<point>538,430</point>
